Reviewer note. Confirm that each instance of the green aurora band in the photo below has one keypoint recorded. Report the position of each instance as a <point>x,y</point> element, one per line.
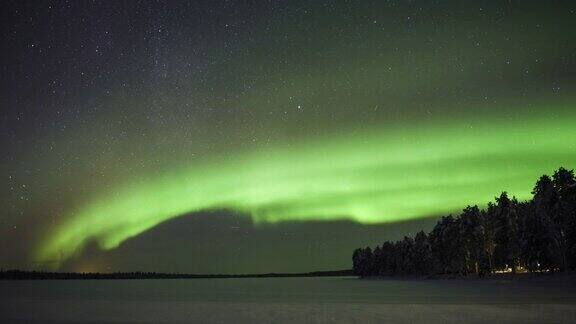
<point>371,176</point>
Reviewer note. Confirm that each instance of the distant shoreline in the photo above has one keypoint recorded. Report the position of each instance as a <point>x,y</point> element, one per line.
<point>43,275</point>
<point>7,275</point>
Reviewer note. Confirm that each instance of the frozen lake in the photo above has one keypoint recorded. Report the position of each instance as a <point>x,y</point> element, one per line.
<point>285,300</point>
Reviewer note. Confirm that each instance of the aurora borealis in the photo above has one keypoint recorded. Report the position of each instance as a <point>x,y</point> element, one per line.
<point>362,177</point>
<point>120,117</point>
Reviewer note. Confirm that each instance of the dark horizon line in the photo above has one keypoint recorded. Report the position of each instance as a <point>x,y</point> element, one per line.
<point>46,275</point>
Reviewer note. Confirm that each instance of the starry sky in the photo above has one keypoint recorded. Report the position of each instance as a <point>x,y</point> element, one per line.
<point>260,136</point>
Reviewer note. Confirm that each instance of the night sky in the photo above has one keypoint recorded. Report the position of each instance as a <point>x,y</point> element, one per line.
<point>260,136</point>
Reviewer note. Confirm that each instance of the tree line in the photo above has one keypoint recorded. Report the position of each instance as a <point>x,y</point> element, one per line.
<point>538,235</point>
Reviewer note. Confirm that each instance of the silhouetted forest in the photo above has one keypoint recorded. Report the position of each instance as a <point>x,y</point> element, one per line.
<point>538,235</point>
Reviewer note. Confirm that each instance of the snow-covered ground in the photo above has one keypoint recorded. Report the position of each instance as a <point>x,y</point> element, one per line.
<point>290,300</point>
